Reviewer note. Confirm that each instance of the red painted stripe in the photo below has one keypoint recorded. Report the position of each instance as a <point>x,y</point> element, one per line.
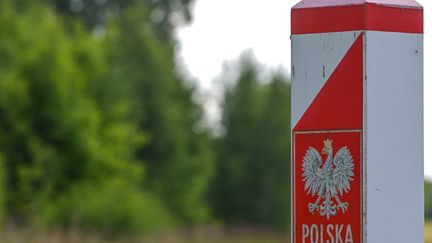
<point>393,19</point>
<point>327,19</point>
<point>332,3</point>
<point>367,16</point>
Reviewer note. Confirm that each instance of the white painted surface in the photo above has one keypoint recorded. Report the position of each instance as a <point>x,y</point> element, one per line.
<point>394,137</point>
<point>316,57</point>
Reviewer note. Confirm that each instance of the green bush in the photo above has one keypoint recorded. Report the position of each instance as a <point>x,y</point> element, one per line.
<point>113,206</point>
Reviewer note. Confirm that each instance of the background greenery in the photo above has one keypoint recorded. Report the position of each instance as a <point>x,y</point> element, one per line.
<point>99,131</point>
<point>428,200</point>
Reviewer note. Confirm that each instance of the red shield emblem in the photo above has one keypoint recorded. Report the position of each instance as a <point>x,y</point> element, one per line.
<point>328,181</point>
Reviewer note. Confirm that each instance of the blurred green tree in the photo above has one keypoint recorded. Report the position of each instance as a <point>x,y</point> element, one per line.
<point>428,199</point>
<point>234,187</point>
<point>93,108</point>
<point>162,15</point>
<point>61,130</point>
<point>179,157</point>
<point>252,183</point>
<point>274,133</point>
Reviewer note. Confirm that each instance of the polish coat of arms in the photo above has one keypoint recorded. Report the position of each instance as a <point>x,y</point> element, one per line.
<point>329,181</point>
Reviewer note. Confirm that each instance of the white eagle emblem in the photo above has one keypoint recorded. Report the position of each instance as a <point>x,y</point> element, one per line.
<point>327,181</point>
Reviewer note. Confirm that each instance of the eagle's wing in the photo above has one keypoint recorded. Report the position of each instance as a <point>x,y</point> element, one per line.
<point>312,173</point>
<point>344,171</point>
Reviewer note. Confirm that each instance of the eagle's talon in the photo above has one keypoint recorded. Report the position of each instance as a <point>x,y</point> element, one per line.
<point>312,207</point>
<point>343,206</point>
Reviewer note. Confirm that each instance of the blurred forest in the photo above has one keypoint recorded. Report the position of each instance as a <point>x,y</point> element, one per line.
<point>99,131</point>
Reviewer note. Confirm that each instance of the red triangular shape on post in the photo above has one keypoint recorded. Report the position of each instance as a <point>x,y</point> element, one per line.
<point>339,104</point>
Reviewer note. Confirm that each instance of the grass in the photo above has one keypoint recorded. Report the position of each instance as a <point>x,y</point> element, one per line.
<point>428,232</point>
<point>192,235</point>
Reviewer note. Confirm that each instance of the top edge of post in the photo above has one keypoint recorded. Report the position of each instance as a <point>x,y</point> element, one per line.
<point>332,3</point>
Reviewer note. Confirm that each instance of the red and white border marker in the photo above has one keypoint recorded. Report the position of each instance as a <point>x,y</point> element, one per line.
<point>357,121</point>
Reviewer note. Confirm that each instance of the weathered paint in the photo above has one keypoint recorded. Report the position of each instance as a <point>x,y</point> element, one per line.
<point>328,106</point>
<point>316,57</point>
<point>309,17</point>
<point>394,136</point>
<point>326,3</point>
<point>358,80</point>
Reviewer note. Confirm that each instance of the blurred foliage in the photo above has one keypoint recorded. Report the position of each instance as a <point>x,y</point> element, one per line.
<point>253,163</point>
<point>97,131</point>
<point>180,161</point>
<point>428,200</point>
<point>53,132</point>
<point>112,207</point>
<point>162,15</point>
<point>2,191</point>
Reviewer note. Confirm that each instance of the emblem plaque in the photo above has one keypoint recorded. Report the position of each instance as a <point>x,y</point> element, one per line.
<point>328,194</point>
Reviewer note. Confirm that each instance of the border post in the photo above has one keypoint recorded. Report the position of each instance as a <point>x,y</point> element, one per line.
<point>357,121</point>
